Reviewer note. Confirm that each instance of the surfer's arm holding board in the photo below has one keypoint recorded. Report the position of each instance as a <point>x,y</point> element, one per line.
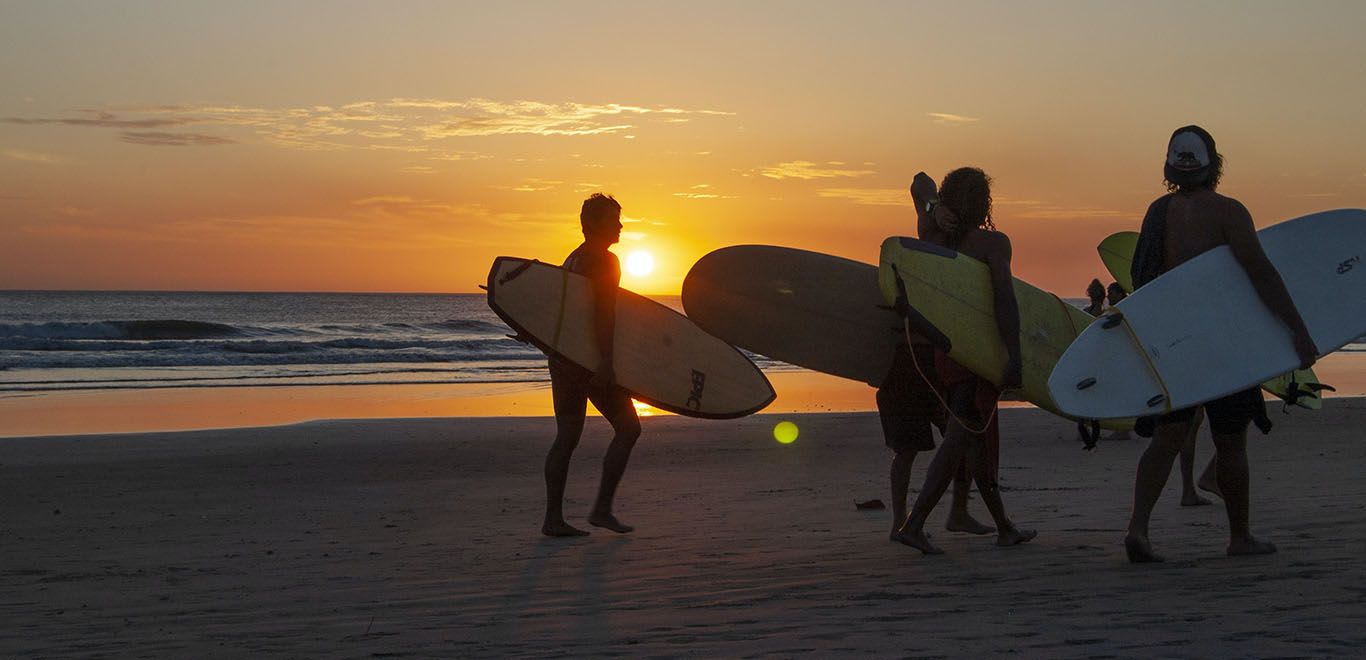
<point>605,279</point>
<point>996,253</point>
<point>1241,236</point>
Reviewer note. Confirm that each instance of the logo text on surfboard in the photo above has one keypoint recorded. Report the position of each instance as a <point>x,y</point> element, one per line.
<point>1348,264</point>
<point>699,382</point>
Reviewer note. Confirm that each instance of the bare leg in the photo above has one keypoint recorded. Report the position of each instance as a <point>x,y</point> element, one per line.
<point>556,474</point>
<point>1189,496</point>
<point>900,474</point>
<point>1209,479</point>
<point>991,494</point>
<point>1153,469</point>
<point>1233,479</point>
<point>959,519</point>
<point>938,476</point>
<point>626,427</point>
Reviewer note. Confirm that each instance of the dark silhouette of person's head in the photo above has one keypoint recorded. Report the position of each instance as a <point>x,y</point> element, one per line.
<point>1115,293</point>
<point>1193,163</point>
<point>600,219</point>
<point>1095,291</point>
<point>967,192</point>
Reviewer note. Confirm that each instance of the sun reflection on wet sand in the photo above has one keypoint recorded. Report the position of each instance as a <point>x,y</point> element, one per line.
<point>131,411</point>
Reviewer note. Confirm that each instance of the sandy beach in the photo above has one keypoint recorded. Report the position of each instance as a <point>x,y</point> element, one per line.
<point>419,538</point>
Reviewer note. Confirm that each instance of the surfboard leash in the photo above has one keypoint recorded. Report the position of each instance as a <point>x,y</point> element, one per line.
<point>916,361</point>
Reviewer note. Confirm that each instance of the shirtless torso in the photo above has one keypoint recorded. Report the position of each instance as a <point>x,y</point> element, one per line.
<point>1200,221</point>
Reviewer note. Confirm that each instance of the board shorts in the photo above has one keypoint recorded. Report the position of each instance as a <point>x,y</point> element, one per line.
<point>572,388</point>
<point>1228,415</point>
<point>984,397</point>
<point>905,403</point>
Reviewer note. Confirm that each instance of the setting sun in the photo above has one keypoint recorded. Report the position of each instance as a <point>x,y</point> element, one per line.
<point>640,263</point>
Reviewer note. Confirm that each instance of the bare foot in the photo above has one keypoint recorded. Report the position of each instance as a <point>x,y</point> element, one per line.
<point>1250,546</point>
<point>1194,499</point>
<point>1140,551</point>
<point>966,523</point>
<point>1211,487</point>
<point>1014,536</point>
<point>918,540</point>
<point>561,528</point>
<point>609,521</point>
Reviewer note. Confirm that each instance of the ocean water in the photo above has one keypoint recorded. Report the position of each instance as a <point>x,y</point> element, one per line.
<point>53,341</point>
<point>61,341</point>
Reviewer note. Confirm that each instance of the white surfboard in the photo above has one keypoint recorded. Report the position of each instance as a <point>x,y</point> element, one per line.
<point>1200,332</point>
<point>660,356</point>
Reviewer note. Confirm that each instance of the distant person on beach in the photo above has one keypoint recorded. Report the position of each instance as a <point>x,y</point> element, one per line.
<point>958,216</point>
<point>1096,292</point>
<point>572,386</point>
<point>1188,221</point>
<point>1114,293</point>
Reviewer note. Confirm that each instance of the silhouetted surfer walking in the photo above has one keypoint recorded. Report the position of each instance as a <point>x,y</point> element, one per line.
<point>1181,225</point>
<point>572,386</point>
<point>958,216</point>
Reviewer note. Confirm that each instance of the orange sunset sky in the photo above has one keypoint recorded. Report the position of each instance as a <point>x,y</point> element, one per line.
<point>342,146</point>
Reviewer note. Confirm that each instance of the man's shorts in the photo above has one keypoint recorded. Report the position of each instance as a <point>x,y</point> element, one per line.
<point>1228,415</point>
<point>572,386</point>
<point>905,403</point>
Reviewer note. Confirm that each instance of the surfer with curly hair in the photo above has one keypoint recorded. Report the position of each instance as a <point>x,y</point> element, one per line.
<point>958,216</point>
<point>572,386</point>
<point>1188,221</point>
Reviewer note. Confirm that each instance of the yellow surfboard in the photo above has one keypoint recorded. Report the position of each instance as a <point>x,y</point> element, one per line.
<point>951,304</point>
<point>1117,253</point>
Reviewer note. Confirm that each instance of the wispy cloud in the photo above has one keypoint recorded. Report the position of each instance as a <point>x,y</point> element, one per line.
<point>102,119</point>
<point>416,125</point>
<point>31,156</point>
<point>1034,209</point>
<point>161,139</point>
<point>74,211</point>
<point>532,185</point>
<point>868,196</point>
<point>805,169</point>
<point>950,119</point>
<point>702,191</point>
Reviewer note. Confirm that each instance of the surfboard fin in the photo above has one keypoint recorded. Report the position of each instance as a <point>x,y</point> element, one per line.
<point>1298,391</point>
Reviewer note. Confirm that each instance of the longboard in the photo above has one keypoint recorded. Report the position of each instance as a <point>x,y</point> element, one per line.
<point>809,309</point>
<point>951,301</point>
<point>1300,387</point>
<point>660,356</point>
<point>1200,331</point>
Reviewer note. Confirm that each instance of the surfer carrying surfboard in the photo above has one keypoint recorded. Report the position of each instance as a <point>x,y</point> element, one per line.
<point>572,386</point>
<point>1188,221</point>
<point>958,216</point>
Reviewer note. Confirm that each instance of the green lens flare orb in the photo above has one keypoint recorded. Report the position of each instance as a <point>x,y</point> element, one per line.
<point>785,432</point>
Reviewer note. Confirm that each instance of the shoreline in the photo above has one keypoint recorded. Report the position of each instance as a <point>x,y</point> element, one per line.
<point>420,538</point>
<point>86,412</point>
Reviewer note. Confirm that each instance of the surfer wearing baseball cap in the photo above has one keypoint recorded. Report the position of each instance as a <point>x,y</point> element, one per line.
<point>572,386</point>
<point>1189,220</point>
<point>958,216</point>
